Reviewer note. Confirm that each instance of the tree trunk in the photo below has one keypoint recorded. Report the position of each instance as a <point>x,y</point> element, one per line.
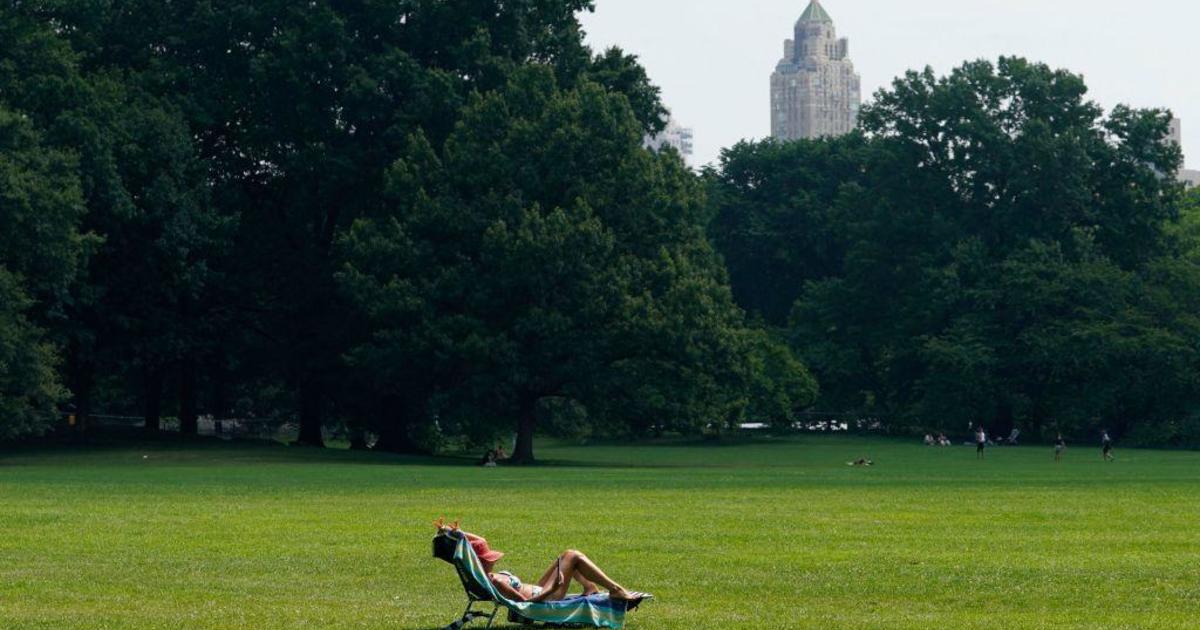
<point>1119,425</point>
<point>526,423</point>
<point>81,376</point>
<point>1004,422</point>
<point>310,415</point>
<point>358,439</point>
<point>395,435</point>
<point>83,406</point>
<point>153,383</point>
<point>219,396</point>
<point>188,421</point>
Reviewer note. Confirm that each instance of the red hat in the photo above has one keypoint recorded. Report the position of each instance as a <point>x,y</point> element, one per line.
<point>485,553</point>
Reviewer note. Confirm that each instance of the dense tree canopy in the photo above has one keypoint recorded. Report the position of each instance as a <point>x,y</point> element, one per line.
<point>40,204</point>
<point>422,219</point>
<point>434,221</point>
<point>543,255</point>
<point>990,248</point>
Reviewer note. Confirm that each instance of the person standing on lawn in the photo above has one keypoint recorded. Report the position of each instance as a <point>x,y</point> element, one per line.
<point>1060,445</point>
<point>1107,443</point>
<point>980,441</point>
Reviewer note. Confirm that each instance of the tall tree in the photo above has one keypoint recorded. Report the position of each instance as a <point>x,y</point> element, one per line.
<point>145,193</point>
<point>542,254</point>
<point>462,131</point>
<point>296,110</point>
<point>41,206</point>
<point>989,250</point>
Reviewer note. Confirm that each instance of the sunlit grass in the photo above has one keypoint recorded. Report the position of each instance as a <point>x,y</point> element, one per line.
<point>764,534</point>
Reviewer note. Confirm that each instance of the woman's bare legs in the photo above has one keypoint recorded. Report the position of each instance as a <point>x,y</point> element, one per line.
<point>589,587</point>
<point>549,579</point>
<point>576,566</point>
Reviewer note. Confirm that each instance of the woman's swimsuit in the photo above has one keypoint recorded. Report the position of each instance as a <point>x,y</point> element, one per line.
<point>515,583</point>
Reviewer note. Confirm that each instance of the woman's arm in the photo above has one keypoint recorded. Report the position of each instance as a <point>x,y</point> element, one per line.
<point>506,589</point>
<point>446,529</point>
<point>552,590</point>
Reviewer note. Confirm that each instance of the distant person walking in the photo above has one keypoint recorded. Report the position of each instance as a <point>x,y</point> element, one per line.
<point>980,441</point>
<point>1060,445</point>
<point>1107,443</point>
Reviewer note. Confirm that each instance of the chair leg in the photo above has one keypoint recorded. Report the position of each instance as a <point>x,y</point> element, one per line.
<point>467,616</point>
<point>493,615</point>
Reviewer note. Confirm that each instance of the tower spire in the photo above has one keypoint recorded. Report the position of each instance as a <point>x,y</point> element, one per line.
<point>815,13</point>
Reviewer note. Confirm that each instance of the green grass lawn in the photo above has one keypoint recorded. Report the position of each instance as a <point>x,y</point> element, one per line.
<point>770,534</point>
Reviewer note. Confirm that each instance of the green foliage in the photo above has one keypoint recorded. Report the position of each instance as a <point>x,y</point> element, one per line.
<point>780,384</point>
<point>1012,151</point>
<point>622,74</point>
<point>426,219</point>
<point>152,234</point>
<point>226,147</point>
<point>780,216</point>
<point>40,205</point>
<point>434,220</point>
<point>29,386</point>
<point>1187,231</point>
<point>541,254</point>
<point>992,248</point>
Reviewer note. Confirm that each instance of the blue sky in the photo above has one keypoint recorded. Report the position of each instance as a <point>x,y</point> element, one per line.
<point>713,58</point>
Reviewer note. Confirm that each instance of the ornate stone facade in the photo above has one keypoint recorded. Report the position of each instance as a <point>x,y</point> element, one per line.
<point>814,89</point>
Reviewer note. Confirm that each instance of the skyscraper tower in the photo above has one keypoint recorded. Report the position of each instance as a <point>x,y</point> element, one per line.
<point>814,89</point>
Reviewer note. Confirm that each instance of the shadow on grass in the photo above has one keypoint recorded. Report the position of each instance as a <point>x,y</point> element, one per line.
<point>181,449</point>
<point>602,454</point>
<point>175,449</point>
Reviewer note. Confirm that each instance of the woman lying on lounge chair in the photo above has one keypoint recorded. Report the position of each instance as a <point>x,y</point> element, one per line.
<point>555,582</point>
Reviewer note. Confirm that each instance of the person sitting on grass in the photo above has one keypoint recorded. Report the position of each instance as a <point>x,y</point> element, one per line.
<point>554,583</point>
<point>493,457</point>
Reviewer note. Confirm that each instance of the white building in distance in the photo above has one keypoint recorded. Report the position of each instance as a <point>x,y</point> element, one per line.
<point>676,136</point>
<point>814,89</point>
<point>1191,178</point>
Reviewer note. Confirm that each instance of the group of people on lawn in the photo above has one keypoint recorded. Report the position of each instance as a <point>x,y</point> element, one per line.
<point>940,440</point>
<point>982,442</point>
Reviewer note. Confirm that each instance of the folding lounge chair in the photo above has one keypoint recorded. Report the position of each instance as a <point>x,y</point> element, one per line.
<point>596,611</point>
